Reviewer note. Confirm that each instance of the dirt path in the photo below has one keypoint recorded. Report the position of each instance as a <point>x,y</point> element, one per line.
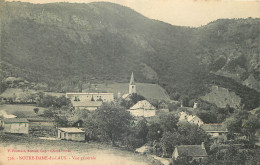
<point>31,151</point>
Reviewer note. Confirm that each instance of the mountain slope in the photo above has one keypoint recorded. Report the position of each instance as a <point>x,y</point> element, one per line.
<point>65,45</point>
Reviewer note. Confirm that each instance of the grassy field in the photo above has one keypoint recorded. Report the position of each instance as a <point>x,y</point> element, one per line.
<point>20,92</point>
<point>25,109</point>
<point>149,91</point>
<point>103,154</point>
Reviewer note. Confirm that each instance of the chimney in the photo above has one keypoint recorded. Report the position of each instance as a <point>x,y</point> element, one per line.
<point>203,146</point>
<point>195,105</point>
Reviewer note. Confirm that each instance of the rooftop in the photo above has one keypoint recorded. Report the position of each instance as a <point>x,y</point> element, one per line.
<point>214,127</point>
<point>89,93</point>
<point>16,120</point>
<point>71,130</point>
<point>191,150</point>
<point>144,104</point>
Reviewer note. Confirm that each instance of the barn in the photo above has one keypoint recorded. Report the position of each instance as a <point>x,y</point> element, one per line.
<point>71,133</point>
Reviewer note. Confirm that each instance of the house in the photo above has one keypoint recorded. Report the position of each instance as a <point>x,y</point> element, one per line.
<point>193,119</point>
<point>16,125</point>
<point>41,121</point>
<point>194,152</point>
<point>89,105</point>
<point>71,133</point>
<point>143,108</point>
<point>163,107</point>
<point>42,127</point>
<point>215,130</point>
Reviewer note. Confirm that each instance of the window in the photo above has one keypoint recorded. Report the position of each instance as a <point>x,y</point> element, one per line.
<point>132,87</point>
<point>220,133</point>
<point>25,125</point>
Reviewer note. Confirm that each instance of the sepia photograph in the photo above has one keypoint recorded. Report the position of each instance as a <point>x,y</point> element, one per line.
<point>130,82</point>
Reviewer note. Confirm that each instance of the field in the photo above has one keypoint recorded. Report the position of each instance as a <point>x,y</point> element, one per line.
<point>27,110</point>
<point>22,92</point>
<point>149,91</point>
<point>103,154</point>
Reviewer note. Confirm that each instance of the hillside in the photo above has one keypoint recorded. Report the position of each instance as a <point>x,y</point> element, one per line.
<point>149,91</point>
<point>66,45</point>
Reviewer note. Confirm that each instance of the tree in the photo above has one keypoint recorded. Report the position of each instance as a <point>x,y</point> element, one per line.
<point>168,122</point>
<point>249,128</point>
<point>141,129</point>
<point>155,132</point>
<point>191,134</point>
<point>112,121</point>
<point>168,141</point>
<point>36,110</point>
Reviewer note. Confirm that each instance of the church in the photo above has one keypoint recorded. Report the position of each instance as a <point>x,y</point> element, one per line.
<point>131,88</point>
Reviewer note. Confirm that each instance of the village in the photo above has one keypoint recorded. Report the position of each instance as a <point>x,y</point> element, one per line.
<point>164,129</point>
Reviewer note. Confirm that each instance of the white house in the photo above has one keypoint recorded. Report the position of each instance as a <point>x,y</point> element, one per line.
<point>143,108</point>
<point>71,133</point>
<point>184,117</point>
<point>16,125</point>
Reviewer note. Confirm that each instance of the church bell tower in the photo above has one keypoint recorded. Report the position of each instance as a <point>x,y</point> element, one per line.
<point>132,86</point>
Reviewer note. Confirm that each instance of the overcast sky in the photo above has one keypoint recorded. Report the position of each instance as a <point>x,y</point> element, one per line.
<point>184,12</point>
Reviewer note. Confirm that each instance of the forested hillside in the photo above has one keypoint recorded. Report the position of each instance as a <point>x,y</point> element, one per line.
<point>64,45</point>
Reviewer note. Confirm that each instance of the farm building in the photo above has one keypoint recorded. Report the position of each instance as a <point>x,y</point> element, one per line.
<point>215,130</point>
<point>41,121</point>
<point>163,107</point>
<point>194,152</point>
<point>71,133</point>
<point>143,108</point>
<point>42,127</point>
<point>16,125</point>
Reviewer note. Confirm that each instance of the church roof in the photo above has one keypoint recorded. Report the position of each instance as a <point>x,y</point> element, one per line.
<point>132,80</point>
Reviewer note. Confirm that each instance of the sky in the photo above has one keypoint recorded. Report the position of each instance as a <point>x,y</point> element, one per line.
<point>192,13</point>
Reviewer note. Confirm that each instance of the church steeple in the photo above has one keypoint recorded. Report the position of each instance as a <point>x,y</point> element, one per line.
<point>132,80</point>
<point>132,86</point>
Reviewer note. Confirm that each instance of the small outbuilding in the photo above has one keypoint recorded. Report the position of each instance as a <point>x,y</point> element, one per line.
<point>71,133</point>
<point>16,125</point>
<point>193,152</point>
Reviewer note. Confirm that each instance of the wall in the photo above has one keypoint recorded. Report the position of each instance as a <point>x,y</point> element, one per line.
<point>16,128</point>
<point>71,136</point>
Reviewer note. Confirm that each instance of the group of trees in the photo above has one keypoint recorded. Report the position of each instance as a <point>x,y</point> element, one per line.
<point>233,155</point>
<point>111,123</point>
<point>52,101</point>
<point>245,124</point>
<point>167,133</point>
